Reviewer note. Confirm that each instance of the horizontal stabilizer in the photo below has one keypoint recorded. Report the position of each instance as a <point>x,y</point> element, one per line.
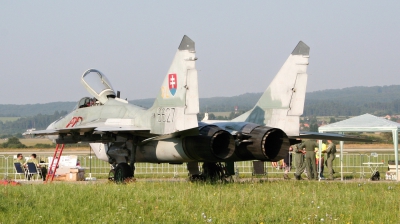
<point>330,136</point>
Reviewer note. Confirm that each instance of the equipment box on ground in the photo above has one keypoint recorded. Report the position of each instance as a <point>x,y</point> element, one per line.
<point>75,174</point>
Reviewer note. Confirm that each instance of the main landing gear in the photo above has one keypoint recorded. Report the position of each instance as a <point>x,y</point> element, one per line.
<point>121,173</point>
<point>213,172</point>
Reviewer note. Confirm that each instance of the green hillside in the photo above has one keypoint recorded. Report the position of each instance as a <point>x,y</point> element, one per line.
<point>353,101</point>
<point>26,110</point>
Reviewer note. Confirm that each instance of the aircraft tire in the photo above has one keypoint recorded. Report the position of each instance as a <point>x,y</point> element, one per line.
<point>111,175</point>
<point>122,172</point>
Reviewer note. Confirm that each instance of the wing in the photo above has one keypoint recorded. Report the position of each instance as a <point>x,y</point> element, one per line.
<point>101,130</point>
<point>98,126</point>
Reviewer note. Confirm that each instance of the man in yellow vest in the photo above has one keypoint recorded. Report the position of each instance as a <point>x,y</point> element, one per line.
<point>323,150</point>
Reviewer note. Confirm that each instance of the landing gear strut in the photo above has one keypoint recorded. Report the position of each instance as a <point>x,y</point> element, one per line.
<point>212,172</point>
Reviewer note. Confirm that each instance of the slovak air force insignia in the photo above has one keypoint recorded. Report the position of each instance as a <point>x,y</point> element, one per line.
<point>172,83</point>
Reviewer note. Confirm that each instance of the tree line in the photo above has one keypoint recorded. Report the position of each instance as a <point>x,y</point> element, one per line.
<point>40,121</point>
<point>353,101</point>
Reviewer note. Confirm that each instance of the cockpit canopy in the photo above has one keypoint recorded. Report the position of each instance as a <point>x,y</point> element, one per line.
<point>97,85</point>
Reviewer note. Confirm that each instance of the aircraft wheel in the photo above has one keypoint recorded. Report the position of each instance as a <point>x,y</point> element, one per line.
<point>122,172</point>
<point>111,175</point>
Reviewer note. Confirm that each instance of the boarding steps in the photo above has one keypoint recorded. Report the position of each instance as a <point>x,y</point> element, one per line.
<point>58,152</point>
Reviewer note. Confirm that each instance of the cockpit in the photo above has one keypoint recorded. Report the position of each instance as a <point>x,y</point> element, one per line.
<point>86,102</point>
<point>97,84</point>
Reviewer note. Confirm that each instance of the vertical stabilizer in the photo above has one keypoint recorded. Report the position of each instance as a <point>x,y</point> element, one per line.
<point>282,103</point>
<point>177,104</point>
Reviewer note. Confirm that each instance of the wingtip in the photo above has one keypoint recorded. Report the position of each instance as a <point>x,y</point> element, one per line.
<point>301,49</point>
<point>186,44</point>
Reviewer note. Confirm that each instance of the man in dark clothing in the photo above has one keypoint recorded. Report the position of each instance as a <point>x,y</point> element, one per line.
<point>311,168</point>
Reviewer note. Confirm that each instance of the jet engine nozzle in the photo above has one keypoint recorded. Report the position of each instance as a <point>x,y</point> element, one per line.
<point>263,143</point>
<point>213,144</point>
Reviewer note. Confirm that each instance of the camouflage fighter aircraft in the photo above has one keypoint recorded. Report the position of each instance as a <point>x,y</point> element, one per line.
<point>169,132</point>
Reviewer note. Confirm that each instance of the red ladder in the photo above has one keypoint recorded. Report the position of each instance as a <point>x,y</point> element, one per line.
<point>58,152</point>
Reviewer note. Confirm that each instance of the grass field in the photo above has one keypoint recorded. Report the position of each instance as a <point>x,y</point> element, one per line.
<point>185,202</point>
<point>5,119</point>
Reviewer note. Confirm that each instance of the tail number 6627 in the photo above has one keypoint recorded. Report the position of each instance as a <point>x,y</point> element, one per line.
<point>165,114</point>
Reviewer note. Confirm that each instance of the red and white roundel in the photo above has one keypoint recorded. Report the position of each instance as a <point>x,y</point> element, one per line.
<point>172,83</point>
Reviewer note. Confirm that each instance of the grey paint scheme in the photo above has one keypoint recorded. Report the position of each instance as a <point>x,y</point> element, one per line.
<point>169,130</point>
<point>162,132</point>
<point>301,49</point>
<point>186,44</point>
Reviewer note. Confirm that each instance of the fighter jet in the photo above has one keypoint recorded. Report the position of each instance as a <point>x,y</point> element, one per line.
<point>169,132</point>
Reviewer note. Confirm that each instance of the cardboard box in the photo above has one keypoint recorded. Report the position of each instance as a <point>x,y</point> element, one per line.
<point>74,170</point>
<point>60,178</point>
<point>72,177</point>
<point>75,174</point>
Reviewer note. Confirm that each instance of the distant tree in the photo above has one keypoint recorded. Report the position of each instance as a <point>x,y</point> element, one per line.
<point>14,143</point>
<point>314,127</point>
<point>200,116</point>
<point>387,136</point>
<point>231,116</point>
<point>221,117</point>
<point>211,116</point>
<point>332,120</point>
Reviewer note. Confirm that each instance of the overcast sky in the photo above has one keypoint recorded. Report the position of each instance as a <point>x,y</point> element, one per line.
<point>46,45</point>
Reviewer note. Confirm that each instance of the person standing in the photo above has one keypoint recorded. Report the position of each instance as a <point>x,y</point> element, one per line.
<point>330,156</point>
<point>323,150</point>
<point>310,158</point>
<point>299,160</point>
<point>287,163</point>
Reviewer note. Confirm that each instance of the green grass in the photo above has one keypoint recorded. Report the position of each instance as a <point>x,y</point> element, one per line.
<point>185,202</point>
<point>5,119</point>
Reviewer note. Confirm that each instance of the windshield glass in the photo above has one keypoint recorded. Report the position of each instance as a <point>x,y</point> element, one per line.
<point>97,81</point>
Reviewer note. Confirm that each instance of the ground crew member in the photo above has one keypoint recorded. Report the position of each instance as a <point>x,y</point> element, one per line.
<point>299,160</point>
<point>330,156</point>
<point>323,150</point>
<point>287,163</point>
<point>310,158</point>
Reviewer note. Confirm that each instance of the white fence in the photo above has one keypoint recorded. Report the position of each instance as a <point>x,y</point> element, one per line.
<point>353,166</point>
